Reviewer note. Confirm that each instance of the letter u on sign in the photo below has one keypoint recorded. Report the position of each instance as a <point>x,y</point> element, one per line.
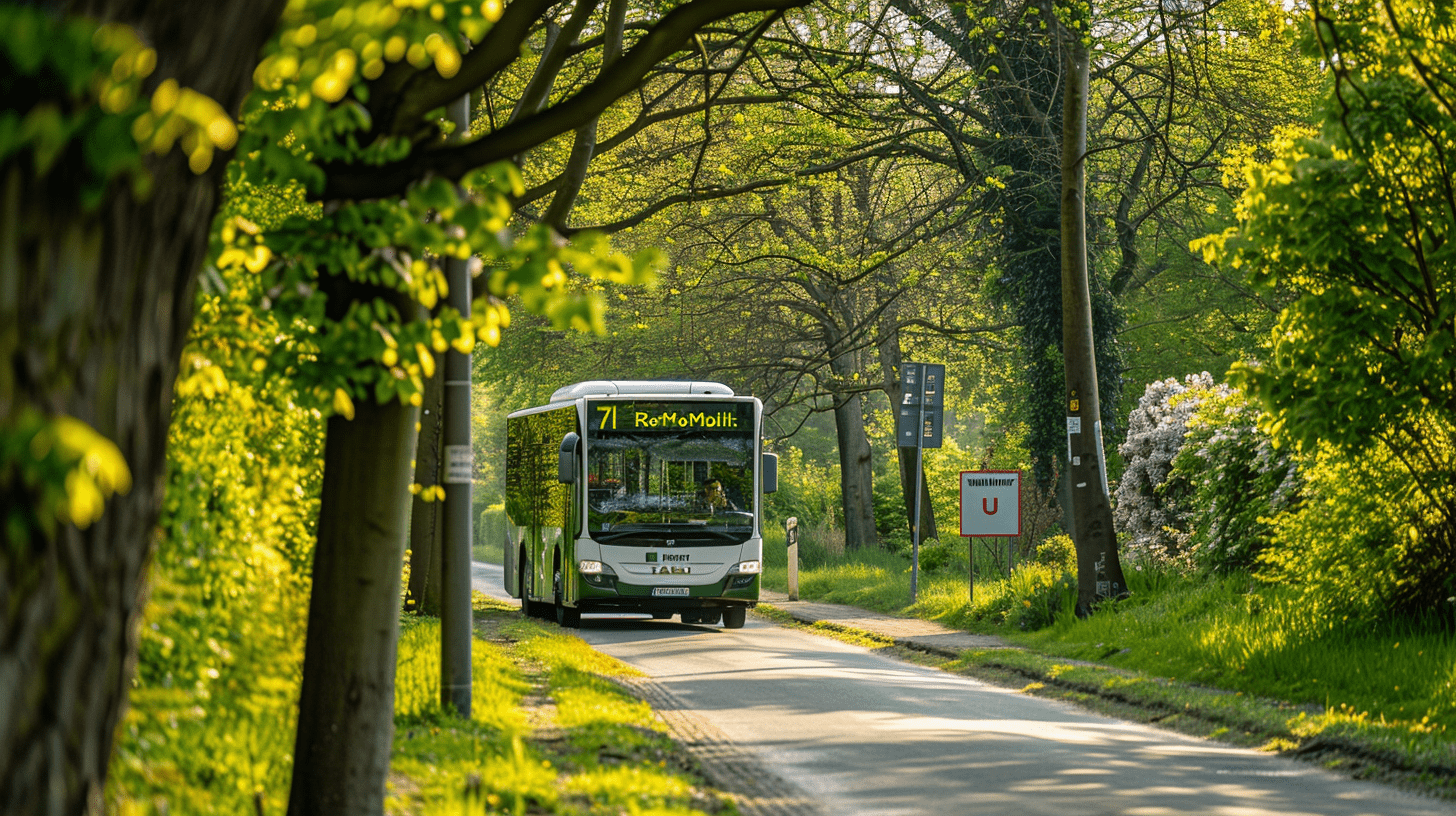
<point>995,505</point>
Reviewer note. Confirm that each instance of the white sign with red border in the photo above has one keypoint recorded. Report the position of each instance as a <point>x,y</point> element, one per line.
<point>990,502</point>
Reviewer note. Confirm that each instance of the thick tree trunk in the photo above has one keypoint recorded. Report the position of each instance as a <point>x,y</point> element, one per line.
<point>856,473</point>
<point>426,524</point>
<point>94,309</point>
<point>856,484</point>
<point>346,705</point>
<point>1099,573</point>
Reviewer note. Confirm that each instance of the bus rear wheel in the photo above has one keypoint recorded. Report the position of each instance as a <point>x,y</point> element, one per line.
<point>734,617</point>
<point>529,609</point>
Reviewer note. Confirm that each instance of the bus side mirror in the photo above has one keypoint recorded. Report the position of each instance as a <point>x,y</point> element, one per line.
<point>566,460</point>
<point>770,472</point>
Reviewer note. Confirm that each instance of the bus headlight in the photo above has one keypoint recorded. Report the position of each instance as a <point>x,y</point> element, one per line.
<point>742,573</point>
<point>597,574</point>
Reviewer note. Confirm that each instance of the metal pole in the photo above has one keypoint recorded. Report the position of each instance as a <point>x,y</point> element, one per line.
<point>455,612</point>
<point>915,526</point>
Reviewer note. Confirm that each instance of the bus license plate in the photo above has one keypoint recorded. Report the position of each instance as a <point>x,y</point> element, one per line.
<point>678,591</point>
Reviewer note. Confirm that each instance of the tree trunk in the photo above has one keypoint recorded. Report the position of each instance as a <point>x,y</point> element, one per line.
<point>426,552</point>
<point>890,361</point>
<point>94,309</point>
<point>1099,574</point>
<point>856,474</point>
<point>346,705</point>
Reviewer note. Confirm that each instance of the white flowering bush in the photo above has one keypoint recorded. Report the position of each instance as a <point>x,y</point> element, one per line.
<point>1152,504</point>
<point>1237,482</point>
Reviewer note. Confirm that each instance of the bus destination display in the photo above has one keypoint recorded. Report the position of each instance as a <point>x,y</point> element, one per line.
<point>668,417</point>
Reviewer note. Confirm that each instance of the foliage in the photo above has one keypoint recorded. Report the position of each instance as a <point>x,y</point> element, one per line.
<point>55,470</point>
<point>1183,314</point>
<point>1361,220</point>
<point>1237,481</point>
<point>210,726</point>
<point>99,129</point>
<point>807,491</point>
<point>1058,552</point>
<point>1355,549</point>
<point>334,277</point>
<point>942,481</point>
<point>1150,506</point>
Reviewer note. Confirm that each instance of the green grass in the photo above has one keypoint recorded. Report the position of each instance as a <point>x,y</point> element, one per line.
<point>1257,639</point>
<point>549,732</point>
<point>1245,659</point>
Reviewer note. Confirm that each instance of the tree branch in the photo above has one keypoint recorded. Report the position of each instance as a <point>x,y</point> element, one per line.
<point>350,181</point>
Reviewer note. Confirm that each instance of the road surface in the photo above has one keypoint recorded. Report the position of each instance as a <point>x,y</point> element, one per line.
<point>868,735</point>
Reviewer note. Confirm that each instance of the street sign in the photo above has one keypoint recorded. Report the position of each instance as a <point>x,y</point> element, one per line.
<point>919,417</point>
<point>459,464</point>
<point>990,502</point>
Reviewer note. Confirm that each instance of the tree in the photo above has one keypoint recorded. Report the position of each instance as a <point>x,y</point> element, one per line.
<point>105,237</point>
<point>1099,572</point>
<point>1186,89</point>
<point>1360,220</point>
<point>132,230</point>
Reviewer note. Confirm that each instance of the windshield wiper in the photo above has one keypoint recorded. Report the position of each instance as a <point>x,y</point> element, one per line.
<point>682,535</point>
<point>616,533</point>
<point>734,534</point>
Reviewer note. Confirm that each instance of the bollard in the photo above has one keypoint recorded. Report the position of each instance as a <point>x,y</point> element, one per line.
<point>791,537</point>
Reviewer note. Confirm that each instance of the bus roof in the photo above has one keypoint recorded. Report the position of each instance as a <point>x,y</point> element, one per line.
<point>613,388</point>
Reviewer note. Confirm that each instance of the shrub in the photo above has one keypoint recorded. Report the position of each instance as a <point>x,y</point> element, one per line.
<point>1058,552</point>
<point>807,491</point>
<point>1151,499</point>
<point>1239,482</point>
<point>944,556</point>
<point>1365,544</point>
<point>1044,592</point>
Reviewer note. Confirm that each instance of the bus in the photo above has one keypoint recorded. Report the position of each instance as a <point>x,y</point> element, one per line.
<point>637,496</point>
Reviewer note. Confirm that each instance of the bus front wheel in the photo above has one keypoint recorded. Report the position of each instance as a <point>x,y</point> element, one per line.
<point>734,617</point>
<point>567,617</point>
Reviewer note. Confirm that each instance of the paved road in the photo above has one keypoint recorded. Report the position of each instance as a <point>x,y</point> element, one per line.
<point>868,735</point>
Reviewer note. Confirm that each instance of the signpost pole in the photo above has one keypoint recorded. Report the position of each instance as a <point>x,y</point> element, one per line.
<point>923,400</point>
<point>971,570</point>
<point>455,612</point>
<point>915,525</point>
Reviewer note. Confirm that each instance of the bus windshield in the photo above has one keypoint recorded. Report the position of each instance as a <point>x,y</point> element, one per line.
<point>677,469</point>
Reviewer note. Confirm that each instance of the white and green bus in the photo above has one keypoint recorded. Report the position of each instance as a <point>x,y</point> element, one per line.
<point>637,496</point>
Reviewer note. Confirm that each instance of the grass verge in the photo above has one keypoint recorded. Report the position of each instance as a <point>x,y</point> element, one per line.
<point>550,732</point>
